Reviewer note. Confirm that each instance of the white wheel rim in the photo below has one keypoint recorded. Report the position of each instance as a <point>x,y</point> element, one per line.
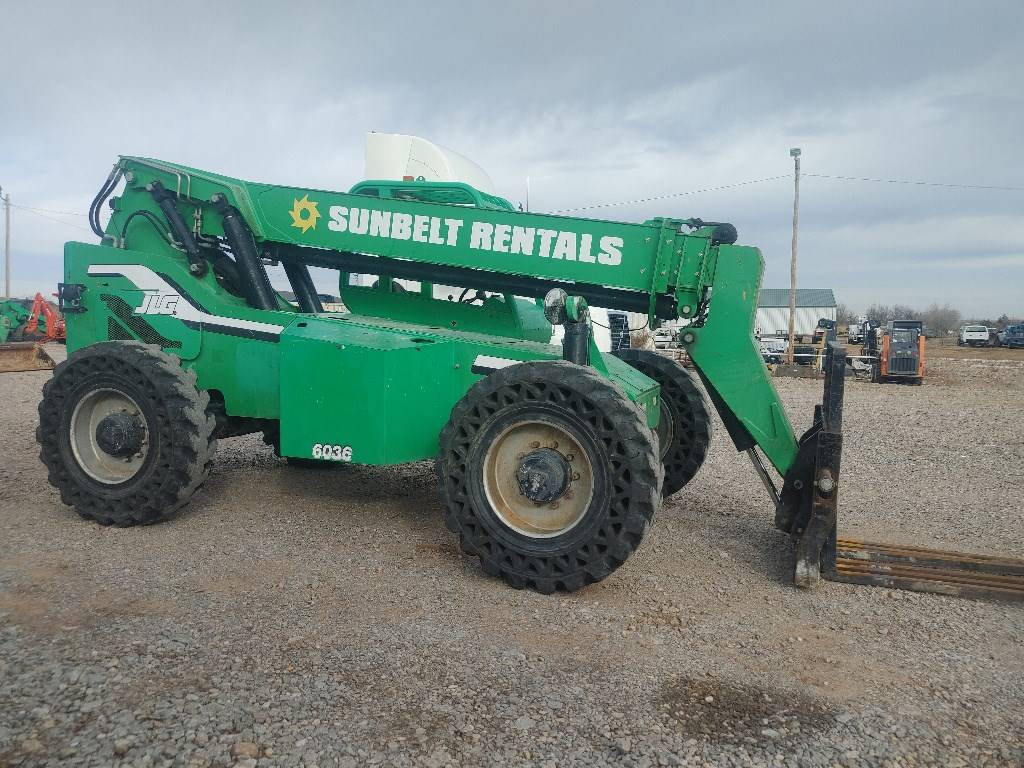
<point>93,460</point>
<point>529,518</point>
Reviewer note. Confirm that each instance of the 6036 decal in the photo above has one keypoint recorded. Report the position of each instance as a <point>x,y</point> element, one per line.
<point>330,452</point>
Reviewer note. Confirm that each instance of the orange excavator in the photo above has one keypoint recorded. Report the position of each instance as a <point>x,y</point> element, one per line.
<point>24,330</point>
<point>53,324</point>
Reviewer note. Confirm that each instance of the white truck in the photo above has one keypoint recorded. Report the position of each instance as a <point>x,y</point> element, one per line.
<point>855,330</point>
<point>972,336</point>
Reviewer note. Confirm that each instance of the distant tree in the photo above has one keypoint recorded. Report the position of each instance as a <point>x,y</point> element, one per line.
<point>941,320</point>
<point>879,314</point>
<point>844,315</point>
<point>903,312</point>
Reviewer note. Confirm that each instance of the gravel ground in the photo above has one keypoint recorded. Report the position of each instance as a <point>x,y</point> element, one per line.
<point>295,617</point>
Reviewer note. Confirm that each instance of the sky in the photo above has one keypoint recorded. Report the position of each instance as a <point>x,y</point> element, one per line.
<point>594,102</point>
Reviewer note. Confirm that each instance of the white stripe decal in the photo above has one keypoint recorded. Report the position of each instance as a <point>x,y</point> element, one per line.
<point>486,361</point>
<point>147,280</point>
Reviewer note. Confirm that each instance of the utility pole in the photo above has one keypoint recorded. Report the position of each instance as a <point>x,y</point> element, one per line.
<point>7,243</point>
<point>795,154</point>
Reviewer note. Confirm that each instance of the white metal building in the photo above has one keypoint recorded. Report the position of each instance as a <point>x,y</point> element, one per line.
<point>811,304</point>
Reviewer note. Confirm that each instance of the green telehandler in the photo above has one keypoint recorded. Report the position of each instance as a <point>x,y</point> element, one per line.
<point>551,460</point>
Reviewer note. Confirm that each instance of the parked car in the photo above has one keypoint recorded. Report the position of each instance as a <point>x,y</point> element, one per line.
<point>855,333</point>
<point>1012,336</point>
<point>972,336</point>
<point>773,350</point>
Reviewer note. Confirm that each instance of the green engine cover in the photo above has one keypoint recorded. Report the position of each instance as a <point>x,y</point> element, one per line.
<point>379,392</point>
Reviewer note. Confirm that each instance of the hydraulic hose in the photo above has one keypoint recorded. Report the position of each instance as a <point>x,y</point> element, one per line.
<point>148,216</point>
<point>302,286</point>
<point>164,199</point>
<point>97,202</point>
<point>256,284</point>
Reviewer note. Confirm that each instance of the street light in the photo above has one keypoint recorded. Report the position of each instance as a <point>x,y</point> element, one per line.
<point>795,154</point>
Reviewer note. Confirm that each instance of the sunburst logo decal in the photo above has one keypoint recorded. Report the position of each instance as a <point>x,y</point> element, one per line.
<point>304,214</point>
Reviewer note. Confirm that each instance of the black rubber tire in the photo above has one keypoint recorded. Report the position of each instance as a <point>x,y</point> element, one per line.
<point>691,418</point>
<point>177,463</point>
<point>622,451</point>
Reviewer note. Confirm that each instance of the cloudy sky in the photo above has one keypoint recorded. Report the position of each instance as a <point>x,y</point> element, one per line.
<point>595,102</point>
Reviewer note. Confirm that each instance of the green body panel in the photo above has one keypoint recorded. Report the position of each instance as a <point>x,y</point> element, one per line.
<point>501,315</point>
<point>727,354</point>
<point>385,389</point>
<point>381,379</point>
<point>243,369</point>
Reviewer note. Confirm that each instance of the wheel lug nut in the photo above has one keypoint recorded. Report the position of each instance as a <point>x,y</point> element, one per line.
<point>553,505</point>
<point>535,444</point>
<point>570,457</point>
<point>554,444</point>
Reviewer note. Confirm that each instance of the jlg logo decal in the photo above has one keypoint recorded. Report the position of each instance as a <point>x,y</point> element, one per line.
<point>157,303</point>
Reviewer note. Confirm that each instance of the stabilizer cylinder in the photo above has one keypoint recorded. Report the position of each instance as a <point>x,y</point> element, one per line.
<point>258,290</point>
<point>164,199</point>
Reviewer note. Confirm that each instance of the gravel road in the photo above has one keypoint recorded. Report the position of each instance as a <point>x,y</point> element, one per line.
<point>299,617</point>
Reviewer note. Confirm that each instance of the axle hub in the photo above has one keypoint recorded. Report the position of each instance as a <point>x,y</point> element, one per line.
<point>543,475</point>
<point>120,434</point>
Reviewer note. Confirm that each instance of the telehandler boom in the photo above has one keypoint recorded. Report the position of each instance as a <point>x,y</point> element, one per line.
<point>551,460</point>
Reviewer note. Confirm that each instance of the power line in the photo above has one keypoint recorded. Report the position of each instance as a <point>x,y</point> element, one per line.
<point>47,210</point>
<point>776,178</point>
<point>914,183</point>
<point>669,196</point>
<point>35,212</point>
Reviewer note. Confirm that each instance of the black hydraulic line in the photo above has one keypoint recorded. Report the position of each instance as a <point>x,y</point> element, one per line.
<point>226,271</point>
<point>196,263</point>
<point>302,286</point>
<point>148,216</point>
<point>254,278</point>
<point>97,202</point>
<point>576,342</point>
<point>519,285</point>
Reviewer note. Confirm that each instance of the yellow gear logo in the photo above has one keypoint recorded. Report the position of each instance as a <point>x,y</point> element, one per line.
<point>304,214</point>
